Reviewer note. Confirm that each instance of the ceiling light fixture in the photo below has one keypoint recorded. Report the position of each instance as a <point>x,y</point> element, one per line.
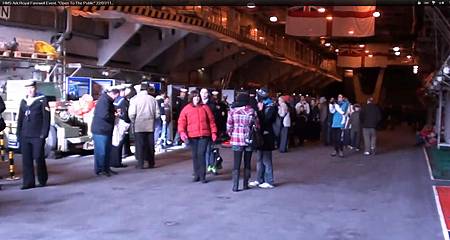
<point>336,50</point>
<point>397,53</point>
<point>329,18</point>
<point>321,10</point>
<point>367,51</point>
<point>370,55</point>
<point>251,5</point>
<point>409,57</point>
<point>273,19</point>
<point>351,32</point>
<point>327,44</point>
<point>376,14</point>
<point>361,45</point>
<point>396,49</point>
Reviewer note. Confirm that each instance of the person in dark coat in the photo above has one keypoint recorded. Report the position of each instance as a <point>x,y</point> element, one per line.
<point>324,111</point>
<point>370,117</point>
<point>129,93</point>
<point>102,130</point>
<point>207,101</point>
<point>2,109</point>
<point>121,105</point>
<point>267,114</point>
<point>33,125</point>
<point>355,127</point>
<point>179,103</point>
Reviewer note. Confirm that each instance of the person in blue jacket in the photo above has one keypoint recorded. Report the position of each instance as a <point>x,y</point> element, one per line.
<point>338,111</point>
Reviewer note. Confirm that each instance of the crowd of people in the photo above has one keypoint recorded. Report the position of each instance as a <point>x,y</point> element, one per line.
<point>255,122</point>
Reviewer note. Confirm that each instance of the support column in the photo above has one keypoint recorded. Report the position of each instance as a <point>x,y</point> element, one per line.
<point>360,96</point>
<point>446,109</point>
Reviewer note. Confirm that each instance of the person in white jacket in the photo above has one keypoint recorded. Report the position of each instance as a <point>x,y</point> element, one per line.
<point>143,111</point>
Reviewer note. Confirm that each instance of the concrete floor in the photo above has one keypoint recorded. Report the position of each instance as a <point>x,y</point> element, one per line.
<point>387,196</point>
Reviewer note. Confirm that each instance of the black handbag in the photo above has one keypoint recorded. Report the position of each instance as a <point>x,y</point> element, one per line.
<point>256,140</point>
<point>2,124</point>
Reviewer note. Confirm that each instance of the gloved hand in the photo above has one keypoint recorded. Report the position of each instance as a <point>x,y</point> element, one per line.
<point>214,137</point>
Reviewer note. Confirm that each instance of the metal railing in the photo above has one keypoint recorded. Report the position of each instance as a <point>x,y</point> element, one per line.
<point>263,35</point>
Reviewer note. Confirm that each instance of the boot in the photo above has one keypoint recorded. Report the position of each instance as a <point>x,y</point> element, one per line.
<point>235,174</point>
<point>246,178</point>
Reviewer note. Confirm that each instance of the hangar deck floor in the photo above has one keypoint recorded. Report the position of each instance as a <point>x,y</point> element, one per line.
<point>386,196</point>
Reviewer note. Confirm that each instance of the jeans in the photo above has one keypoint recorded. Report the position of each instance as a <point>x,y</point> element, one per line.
<point>165,133</point>
<point>158,129</point>
<point>209,160</point>
<point>102,151</point>
<point>264,168</point>
<point>336,136</point>
<point>198,147</point>
<point>355,138</point>
<point>370,139</point>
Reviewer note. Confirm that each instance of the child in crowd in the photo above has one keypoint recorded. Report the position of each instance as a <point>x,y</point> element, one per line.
<point>355,127</point>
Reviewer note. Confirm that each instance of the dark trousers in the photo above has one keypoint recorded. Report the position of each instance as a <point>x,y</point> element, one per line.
<point>198,147</point>
<point>356,138</point>
<point>237,168</point>
<point>126,145</point>
<point>116,154</point>
<point>145,148</point>
<point>264,167</point>
<point>33,150</point>
<point>336,136</point>
<point>284,139</point>
<point>102,152</point>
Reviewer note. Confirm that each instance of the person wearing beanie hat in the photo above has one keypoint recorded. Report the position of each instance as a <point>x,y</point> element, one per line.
<point>241,119</point>
<point>267,114</point>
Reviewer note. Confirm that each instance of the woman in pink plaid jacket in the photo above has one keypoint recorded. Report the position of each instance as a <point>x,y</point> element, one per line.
<point>241,118</point>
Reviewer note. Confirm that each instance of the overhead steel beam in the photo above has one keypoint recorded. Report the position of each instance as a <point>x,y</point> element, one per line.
<point>326,83</point>
<point>154,43</point>
<point>314,82</point>
<point>184,51</point>
<point>118,36</point>
<point>230,64</point>
<point>213,53</point>
<point>263,70</point>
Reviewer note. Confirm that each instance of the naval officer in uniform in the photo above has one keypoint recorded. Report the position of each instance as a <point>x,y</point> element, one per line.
<point>33,126</point>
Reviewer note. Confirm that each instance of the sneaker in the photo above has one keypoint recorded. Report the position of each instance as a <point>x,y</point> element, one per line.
<point>357,149</point>
<point>341,154</point>
<point>209,169</point>
<point>333,154</point>
<point>366,153</point>
<point>350,147</point>
<point>265,185</point>
<point>253,184</point>
<point>214,170</point>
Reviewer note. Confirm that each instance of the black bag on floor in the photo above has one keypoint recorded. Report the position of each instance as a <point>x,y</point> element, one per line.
<point>217,158</point>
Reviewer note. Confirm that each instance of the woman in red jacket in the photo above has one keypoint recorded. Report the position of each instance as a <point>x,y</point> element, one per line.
<point>196,126</point>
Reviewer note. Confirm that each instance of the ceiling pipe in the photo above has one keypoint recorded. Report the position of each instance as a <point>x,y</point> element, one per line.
<point>68,30</point>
